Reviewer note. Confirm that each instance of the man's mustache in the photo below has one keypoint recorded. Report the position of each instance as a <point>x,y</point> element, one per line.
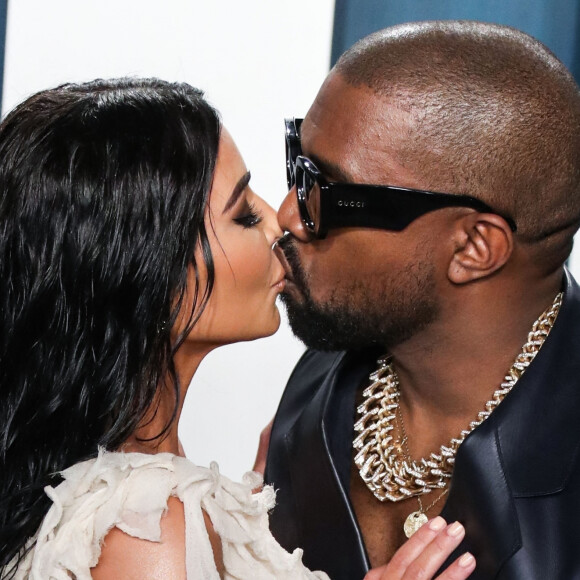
<point>287,246</point>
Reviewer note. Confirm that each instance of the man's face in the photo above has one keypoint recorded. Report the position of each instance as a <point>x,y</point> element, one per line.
<point>358,286</point>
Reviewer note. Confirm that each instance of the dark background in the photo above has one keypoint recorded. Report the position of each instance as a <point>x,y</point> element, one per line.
<point>556,23</point>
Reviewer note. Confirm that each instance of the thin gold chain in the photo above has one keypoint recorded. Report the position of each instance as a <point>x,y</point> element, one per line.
<point>404,443</point>
<point>425,510</point>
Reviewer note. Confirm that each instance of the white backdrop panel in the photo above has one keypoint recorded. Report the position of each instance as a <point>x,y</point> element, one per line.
<point>258,61</point>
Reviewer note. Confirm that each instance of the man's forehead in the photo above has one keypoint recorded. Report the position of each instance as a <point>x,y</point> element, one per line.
<point>354,129</point>
<point>341,108</point>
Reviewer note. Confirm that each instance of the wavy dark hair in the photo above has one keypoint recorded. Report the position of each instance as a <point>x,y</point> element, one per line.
<point>103,190</point>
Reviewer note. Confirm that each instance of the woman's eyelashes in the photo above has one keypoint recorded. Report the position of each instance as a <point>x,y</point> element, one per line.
<point>250,216</point>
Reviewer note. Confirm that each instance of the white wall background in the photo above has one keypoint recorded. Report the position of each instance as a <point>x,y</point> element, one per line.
<point>574,262</point>
<point>258,61</point>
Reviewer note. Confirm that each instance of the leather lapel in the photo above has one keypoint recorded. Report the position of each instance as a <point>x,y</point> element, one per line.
<point>538,427</point>
<point>481,499</point>
<point>328,524</point>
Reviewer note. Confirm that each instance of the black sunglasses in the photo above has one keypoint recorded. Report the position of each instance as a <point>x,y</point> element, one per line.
<point>324,205</point>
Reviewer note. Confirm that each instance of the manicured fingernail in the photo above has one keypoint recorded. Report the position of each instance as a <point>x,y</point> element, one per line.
<point>455,529</point>
<point>437,524</point>
<point>466,560</point>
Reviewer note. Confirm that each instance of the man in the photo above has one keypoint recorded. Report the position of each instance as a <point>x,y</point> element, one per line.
<point>450,286</point>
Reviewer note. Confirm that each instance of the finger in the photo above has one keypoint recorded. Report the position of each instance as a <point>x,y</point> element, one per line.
<point>377,574</point>
<point>460,569</point>
<point>415,545</point>
<point>262,453</point>
<point>435,553</point>
<point>259,464</point>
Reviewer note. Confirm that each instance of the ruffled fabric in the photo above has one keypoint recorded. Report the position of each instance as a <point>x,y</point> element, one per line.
<point>130,491</point>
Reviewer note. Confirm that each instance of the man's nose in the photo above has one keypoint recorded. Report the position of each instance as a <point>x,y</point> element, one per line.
<point>289,217</point>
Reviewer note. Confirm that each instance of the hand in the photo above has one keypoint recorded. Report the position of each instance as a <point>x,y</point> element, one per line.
<point>260,462</point>
<point>424,552</point>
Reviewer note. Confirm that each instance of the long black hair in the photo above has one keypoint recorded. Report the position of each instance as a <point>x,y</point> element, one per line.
<point>103,189</point>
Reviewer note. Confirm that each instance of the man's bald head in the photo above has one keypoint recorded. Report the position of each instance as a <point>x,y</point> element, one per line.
<point>493,112</point>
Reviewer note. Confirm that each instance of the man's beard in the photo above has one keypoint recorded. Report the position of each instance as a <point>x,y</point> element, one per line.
<point>373,311</point>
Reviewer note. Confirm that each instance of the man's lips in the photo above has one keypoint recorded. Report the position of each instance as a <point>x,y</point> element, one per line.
<point>282,257</point>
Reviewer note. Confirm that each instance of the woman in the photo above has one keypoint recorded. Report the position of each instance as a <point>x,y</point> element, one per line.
<point>131,245</point>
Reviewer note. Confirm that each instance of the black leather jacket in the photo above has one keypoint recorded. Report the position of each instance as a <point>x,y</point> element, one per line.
<point>516,483</point>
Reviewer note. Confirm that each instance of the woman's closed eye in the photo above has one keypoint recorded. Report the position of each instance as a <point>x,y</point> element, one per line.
<point>250,217</point>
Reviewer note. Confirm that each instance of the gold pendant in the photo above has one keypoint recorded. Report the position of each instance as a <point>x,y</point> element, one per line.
<point>413,522</point>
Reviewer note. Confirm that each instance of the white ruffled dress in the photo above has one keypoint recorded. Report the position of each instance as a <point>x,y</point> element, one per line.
<point>130,491</point>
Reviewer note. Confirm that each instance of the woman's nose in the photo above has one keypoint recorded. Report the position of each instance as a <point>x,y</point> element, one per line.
<point>289,217</point>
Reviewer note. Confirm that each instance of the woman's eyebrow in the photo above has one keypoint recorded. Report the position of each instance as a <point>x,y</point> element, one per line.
<point>238,190</point>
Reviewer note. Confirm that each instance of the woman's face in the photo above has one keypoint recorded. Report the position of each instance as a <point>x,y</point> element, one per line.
<point>242,228</point>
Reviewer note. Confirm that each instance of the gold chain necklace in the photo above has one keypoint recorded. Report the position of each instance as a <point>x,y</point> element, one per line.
<point>390,473</point>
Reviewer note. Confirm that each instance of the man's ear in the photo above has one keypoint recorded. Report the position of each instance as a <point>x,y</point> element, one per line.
<point>483,245</point>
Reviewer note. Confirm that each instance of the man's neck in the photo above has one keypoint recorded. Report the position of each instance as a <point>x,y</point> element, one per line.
<point>450,370</point>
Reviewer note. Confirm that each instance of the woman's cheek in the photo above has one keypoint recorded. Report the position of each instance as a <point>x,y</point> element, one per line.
<point>252,262</point>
